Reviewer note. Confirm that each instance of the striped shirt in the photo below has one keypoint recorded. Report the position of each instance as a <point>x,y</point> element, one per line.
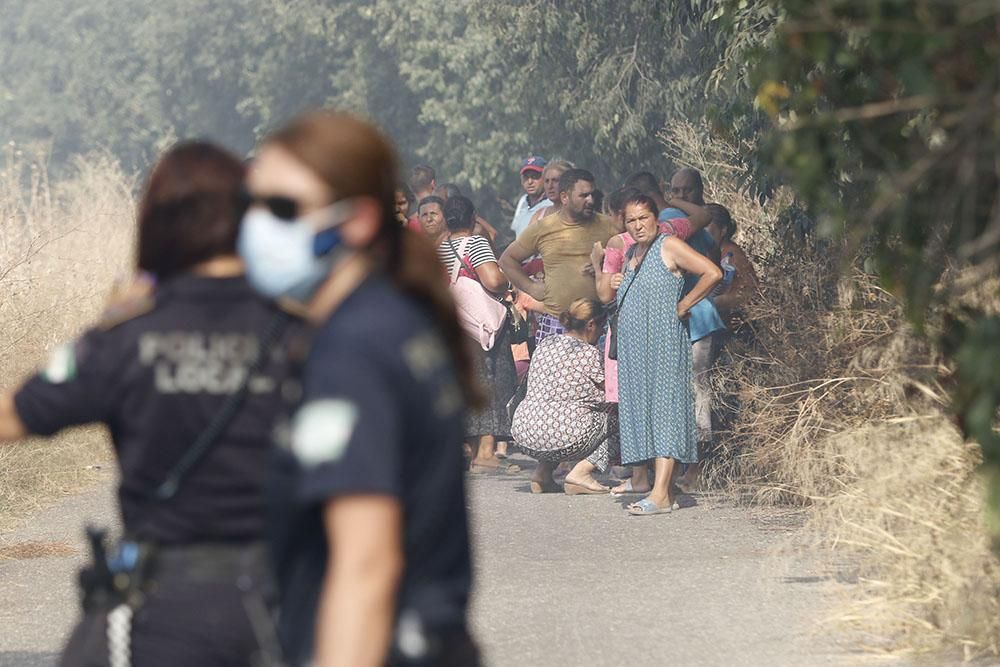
<point>477,250</point>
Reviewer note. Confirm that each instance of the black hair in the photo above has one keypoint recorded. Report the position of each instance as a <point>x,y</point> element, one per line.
<point>190,208</point>
<point>459,214</point>
<point>407,191</point>
<point>430,199</point>
<point>644,182</point>
<point>695,176</point>
<point>639,199</point>
<point>580,312</point>
<point>570,178</point>
<point>598,195</point>
<point>617,199</point>
<point>421,177</point>
<point>721,217</point>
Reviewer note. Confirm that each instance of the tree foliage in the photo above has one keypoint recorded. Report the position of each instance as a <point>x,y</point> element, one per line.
<point>470,87</point>
<point>888,125</point>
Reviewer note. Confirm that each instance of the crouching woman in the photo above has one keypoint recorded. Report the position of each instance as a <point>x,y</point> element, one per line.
<point>564,416</point>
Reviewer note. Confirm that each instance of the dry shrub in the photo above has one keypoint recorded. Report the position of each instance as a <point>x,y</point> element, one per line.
<point>831,402</point>
<point>63,246</point>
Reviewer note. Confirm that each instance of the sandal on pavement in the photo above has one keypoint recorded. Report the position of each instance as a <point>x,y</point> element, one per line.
<point>627,488</point>
<point>647,507</point>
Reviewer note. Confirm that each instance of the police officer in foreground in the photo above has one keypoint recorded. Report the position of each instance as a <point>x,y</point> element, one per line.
<point>185,376</point>
<point>371,538</point>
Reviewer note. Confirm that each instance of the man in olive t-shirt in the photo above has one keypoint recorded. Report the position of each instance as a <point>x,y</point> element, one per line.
<point>564,240</point>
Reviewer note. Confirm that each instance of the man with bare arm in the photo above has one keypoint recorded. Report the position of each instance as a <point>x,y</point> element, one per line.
<point>564,241</point>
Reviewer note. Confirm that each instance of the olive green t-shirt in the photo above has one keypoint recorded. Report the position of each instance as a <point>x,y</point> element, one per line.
<point>565,249</point>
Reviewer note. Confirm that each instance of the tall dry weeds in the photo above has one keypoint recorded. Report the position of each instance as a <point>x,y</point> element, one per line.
<point>830,401</point>
<point>62,247</point>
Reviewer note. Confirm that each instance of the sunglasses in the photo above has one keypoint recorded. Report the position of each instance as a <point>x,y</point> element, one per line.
<point>283,208</point>
<point>287,209</point>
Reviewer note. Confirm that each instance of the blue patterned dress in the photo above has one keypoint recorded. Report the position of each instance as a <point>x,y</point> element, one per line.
<point>656,409</point>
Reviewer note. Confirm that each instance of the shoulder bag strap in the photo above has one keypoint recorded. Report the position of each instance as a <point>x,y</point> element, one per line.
<point>628,258</point>
<point>459,256</point>
<point>224,417</point>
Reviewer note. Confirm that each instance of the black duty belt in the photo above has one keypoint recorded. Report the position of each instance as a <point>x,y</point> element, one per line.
<point>209,560</point>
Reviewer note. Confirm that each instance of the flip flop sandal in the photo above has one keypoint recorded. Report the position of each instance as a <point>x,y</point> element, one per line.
<point>647,507</point>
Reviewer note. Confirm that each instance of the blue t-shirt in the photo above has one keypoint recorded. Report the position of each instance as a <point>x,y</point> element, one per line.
<point>380,412</point>
<point>705,319</point>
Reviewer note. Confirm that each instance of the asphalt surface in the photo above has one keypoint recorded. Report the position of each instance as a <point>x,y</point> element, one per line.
<point>577,581</point>
<point>560,581</point>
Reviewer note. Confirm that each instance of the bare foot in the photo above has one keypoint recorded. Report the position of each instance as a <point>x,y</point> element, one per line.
<point>492,464</point>
<point>587,482</point>
<point>545,486</point>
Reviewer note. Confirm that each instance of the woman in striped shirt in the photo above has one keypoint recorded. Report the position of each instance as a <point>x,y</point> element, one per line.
<point>473,257</point>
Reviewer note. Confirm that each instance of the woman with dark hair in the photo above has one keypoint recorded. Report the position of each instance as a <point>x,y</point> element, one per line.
<point>430,212</point>
<point>405,201</point>
<point>472,256</point>
<point>370,535</point>
<point>739,281</point>
<point>655,383</point>
<point>564,416</point>
<point>183,377</point>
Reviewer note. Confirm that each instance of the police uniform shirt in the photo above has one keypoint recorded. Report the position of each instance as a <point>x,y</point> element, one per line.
<point>157,378</point>
<point>380,413</point>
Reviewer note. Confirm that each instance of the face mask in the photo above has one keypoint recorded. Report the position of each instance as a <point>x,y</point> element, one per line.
<point>285,258</point>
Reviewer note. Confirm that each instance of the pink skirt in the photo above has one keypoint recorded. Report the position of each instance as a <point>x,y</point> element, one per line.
<point>610,374</point>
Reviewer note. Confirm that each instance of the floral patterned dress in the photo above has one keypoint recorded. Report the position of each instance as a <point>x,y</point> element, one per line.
<point>564,415</point>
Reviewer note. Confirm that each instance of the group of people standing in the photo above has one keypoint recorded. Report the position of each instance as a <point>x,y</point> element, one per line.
<point>289,382</point>
<point>629,296</point>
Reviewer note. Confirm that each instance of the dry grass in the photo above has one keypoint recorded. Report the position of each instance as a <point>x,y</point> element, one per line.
<point>63,246</point>
<point>834,404</point>
<point>35,549</point>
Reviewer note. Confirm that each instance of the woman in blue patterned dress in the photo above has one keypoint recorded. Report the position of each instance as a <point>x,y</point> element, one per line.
<point>656,409</point>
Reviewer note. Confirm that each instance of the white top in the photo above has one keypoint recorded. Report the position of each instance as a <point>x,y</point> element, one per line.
<point>523,213</point>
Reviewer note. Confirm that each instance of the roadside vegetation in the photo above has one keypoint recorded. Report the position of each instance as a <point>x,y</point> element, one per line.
<point>63,246</point>
<point>834,403</point>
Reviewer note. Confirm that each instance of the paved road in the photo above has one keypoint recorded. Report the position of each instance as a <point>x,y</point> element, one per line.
<point>575,580</point>
<point>561,581</point>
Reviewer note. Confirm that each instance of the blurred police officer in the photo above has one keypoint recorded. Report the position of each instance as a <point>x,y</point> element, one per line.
<point>371,537</point>
<point>184,378</point>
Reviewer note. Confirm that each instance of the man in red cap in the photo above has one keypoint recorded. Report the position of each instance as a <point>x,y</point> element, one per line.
<point>534,198</point>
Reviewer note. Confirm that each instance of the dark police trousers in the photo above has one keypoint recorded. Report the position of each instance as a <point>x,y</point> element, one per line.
<point>206,605</point>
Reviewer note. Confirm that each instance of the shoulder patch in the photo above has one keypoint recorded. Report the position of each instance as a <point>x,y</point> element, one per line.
<point>61,366</point>
<point>119,312</point>
<point>321,431</point>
